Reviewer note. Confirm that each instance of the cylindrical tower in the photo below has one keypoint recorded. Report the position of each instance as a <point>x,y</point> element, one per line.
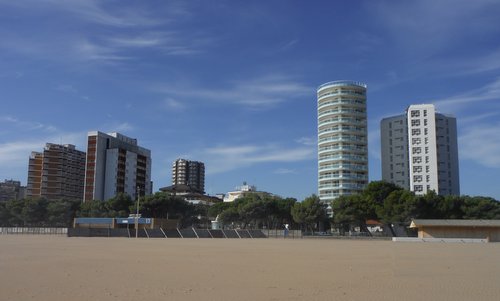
<point>342,139</point>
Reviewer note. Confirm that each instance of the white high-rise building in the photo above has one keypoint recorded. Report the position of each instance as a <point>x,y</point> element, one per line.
<point>116,164</point>
<point>420,152</point>
<point>342,139</point>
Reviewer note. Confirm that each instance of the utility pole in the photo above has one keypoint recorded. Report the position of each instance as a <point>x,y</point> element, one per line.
<point>137,215</point>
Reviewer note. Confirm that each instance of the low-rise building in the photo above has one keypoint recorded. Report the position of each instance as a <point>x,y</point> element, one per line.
<point>242,190</point>
<point>11,190</point>
<point>456,228</point>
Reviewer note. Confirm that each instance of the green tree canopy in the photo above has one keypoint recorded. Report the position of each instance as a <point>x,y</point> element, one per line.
<point>309,212</point>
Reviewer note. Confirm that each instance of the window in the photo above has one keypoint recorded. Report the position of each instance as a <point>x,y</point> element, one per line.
<point>417,179</point>
<point>415,132</point>
<point>417,159</point>
<point>415,113</point>
<point>427,168</point>
<point>428,178</point>
<point>425,122</point>
<point>418,187</point>
<point>416,150</point>
<point>417,168</point>
<point>415,122</point>
<point>425,113</point>
<point>416,141</point>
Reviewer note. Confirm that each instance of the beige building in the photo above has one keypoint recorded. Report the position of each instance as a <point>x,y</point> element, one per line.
<point>56,173</point>
<point>116,164</point>
<point>455,228</point>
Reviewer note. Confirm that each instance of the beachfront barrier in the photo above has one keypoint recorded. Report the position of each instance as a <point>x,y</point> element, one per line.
<point>168,233</point>
<point>442,240</point>
<point>279,233</point>
<point>34,230</point>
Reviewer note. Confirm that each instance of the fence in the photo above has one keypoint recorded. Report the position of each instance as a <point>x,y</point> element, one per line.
<point>275,233</point>
<point>34,230</point>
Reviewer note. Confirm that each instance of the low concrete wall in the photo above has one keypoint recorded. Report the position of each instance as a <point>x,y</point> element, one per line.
<point>33,230</point>
<point>445,240</point>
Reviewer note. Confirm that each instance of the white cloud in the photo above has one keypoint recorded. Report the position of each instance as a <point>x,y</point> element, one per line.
<point>427,26</point>
<point>258,92</point>
<point>284,171</point>
<point>26,126</point>
<point>120,127</point>
<point>172,104</point>
<point>481,143</point>
<point>94,11</point>
<point>66,88</point>
<point>489,92</point>
<point>130,27</point>
<point>308,140</point>
<point>14,155</point>
<point>226,158</point>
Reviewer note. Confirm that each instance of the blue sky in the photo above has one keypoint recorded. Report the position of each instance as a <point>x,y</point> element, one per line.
<point>233,83</point>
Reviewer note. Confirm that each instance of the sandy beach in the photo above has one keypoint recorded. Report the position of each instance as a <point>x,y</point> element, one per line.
<point>61,268</point>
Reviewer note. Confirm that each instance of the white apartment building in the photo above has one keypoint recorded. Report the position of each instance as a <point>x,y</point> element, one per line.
<point>116,164</point>
<point>342,139</point>
<point>420,151</point>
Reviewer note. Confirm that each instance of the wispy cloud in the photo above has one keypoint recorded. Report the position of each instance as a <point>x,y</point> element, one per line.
<point>428,26</point>
<point>113,33</point>
<point>97,12</point>
<point>226,158</point>
<point>285,171</point>
<point>172,104</point>
<point>14,155</point>
<point>289,45</point>
<point>308,140</point>
<point>481,143</point>
<point>26,126</point>
<point>489,92</point>
<point>258,92</point>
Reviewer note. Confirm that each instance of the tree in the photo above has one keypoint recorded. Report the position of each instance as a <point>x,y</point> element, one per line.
<point>93,208</point>
<point>229,216</point>
<point>119,206</point>
<point>253,211</point>
<point>378,191</point>
<point>309,212</point>
<point>480,208</point>
<point>4,215</point>
<point>34,212</point>
<point>218,208</point>
<point>398,207</point>
<point>60,213</point>
<point>353,209</point>
<point>163,205</point>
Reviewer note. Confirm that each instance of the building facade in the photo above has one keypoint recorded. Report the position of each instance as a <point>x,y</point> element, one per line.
<point>189,173</point>
<point>11,190</point>
<point>342,139</point>
<point>116,164</point>
<point>420,151</point>
<point>56,173</point>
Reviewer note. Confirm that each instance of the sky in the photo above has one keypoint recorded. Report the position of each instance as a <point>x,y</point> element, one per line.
<point>233,83</point>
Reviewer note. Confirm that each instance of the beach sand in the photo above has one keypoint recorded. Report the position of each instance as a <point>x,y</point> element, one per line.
<point>60,268</point>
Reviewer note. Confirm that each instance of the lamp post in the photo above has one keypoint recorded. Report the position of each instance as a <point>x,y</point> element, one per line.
<point>137,215</point>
